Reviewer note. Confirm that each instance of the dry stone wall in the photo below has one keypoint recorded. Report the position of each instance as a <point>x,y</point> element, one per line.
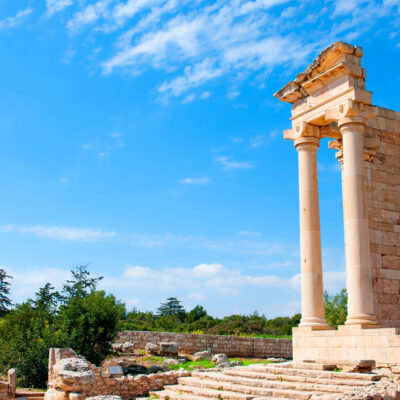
<point>383,202</point>
<point>232,346</point>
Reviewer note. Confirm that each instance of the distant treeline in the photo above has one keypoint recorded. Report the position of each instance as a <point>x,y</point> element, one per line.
<point>172,317</point>
<point>87,320</point>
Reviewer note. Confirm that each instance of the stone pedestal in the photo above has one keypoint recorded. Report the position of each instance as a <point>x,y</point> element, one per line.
<point>349,342</point>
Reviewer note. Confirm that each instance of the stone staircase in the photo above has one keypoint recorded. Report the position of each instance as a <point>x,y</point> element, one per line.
<point>265,382</point>
<point>29,395</point>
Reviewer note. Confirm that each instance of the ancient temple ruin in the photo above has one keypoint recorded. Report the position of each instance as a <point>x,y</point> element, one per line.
<point>330,100</point>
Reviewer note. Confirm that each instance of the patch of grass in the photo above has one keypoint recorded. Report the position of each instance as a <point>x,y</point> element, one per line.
<point>191,365</point>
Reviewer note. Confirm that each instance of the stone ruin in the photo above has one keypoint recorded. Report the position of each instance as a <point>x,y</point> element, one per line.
<point>330,100</point>
<point>8,388</point>
<point>72,377</point>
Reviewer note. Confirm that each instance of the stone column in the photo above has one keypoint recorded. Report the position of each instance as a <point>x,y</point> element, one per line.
<point>312,295</point>
<point>358,263</point>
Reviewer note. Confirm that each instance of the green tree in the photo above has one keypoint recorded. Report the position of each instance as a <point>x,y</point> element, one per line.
<point>47,298</point>
<point>5,302</point>
<point>195,314</point>
<point>26,334</point>
<point>172,307</point>
<point>91,323</point>
<point>336,308</point>
<point>82,282</point>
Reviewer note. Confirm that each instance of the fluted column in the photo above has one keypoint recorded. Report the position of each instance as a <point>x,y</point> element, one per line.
<point>312,294</point>
<point>358,264</point>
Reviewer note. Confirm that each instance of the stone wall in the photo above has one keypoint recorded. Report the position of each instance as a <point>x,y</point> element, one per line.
<point>72,377</point>
<point>383,201</point>
<point>233,346</point>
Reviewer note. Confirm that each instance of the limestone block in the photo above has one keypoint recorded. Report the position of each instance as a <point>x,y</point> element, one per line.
<point>168,348</point>
<point>151,349</point>
<point>53,394</point>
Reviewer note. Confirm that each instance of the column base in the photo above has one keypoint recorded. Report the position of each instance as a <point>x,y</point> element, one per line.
<point>315,324</point>
<point>363,321</point>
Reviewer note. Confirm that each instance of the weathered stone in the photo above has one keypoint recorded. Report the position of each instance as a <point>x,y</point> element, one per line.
<point>202,355</point>
<point>151,349</point>
<point>117,347</point>
<point>128,347</point>
<point>169,349</point>
<point>170,361</point>
<point>220,359</point>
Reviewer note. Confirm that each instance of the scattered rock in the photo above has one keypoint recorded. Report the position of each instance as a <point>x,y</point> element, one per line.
<point>236,363</point>
<point>134,369</point>
<point>276,360</point>
<point>104,397</point>
<point>183,360</point>
<point>157,368</point>
<point>117,347</point>
<point>220,359</point>
<point>202,355</point>
<point>169,349</point>
<point>128,347</point>
<point>151,349</point>
<point>170,361</point>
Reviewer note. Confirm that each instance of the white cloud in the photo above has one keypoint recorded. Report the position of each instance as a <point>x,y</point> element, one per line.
<point>89,15</point>
<point>60,233</point>
<point>137,272</point>
<point>196,296</point>
<point>194,43</point>
<point>195,181</point>
<point>208,270</point>
<point>27,281</point>
<point>54,6</point>
<point>228,164</point>
<point>19,18</point>
<point>250,233</point>
<point>257,141</point>
<point>105,146</point>
<point>216,276</point>
<point>347,6</point>
<point>193,77</point>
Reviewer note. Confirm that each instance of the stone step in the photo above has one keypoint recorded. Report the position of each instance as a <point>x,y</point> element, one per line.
<point>206,393</point>
<point>311,373</point>
<point>276,383</point>
<point>308,365</point>
<point>171,395</point>
<point>236,391</point>
<point>292,378</point>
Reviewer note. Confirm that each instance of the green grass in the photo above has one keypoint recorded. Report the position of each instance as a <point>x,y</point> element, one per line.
<point>191,365</point>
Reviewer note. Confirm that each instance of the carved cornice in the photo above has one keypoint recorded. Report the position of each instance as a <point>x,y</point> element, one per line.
<point>351,108</point>
<point>302,129</point>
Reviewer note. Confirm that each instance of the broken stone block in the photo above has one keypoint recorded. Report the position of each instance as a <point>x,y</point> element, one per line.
<point>169,348</point>
<point>202,355</point>
<point>151,349</point>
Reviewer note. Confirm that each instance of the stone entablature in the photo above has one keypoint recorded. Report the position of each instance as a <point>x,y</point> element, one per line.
<point>233,346</point>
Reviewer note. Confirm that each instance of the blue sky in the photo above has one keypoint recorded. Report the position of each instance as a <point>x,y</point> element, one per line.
<point>142,136</point>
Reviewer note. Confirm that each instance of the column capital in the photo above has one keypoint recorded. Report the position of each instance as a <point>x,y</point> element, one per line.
<point>352,123</point>
<point>302,129</point>
<point>309,143</point>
